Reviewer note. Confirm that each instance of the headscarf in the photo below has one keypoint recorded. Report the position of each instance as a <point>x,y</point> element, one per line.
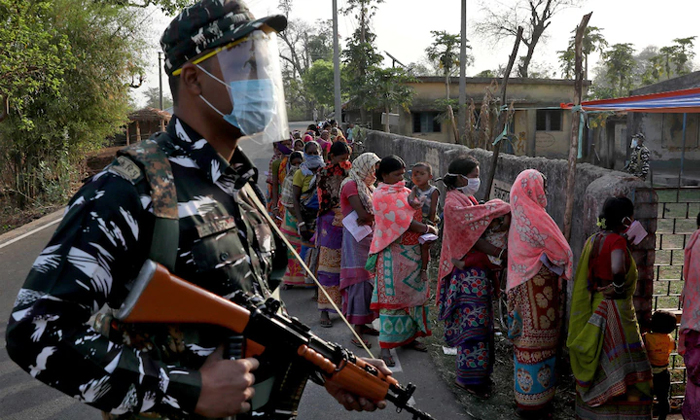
<point>465,222</point>
<point>533,233</point>
<point>392,214</point>
<point>308,138</point>
<point>364,175</point>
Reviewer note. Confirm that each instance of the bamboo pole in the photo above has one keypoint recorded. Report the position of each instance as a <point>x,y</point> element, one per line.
<point>575,125</point>
<point>502,116</point>
<point>451,116</point>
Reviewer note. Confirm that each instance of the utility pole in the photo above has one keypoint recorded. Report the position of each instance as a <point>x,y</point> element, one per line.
<point>463,78</point>
<point>336,65</point>
<point>160,78</point>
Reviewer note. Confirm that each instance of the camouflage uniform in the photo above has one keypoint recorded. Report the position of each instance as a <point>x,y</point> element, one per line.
<point>103,240</point>
<point>639,162</point>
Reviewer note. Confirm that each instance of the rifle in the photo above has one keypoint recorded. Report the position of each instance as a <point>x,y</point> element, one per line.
<point>157,296</point>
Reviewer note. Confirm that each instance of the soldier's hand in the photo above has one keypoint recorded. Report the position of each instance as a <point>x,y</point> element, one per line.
<point>352,402</point>
<point>226,385</point>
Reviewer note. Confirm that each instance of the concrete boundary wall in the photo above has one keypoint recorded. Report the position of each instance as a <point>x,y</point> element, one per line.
<point>593,185</point>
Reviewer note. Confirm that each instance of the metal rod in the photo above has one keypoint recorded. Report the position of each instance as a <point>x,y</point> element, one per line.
<point>463,77</point>
<point>160,78</point>
<point>680,172</point>
<point>336,66</point>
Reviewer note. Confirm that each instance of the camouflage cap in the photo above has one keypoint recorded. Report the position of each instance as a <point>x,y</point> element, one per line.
<point>209,24</point>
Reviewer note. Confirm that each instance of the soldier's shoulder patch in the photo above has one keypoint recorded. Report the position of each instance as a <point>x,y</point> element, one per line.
<point>127,169</point>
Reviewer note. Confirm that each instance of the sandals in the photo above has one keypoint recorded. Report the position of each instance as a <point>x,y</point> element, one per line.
<point>370,331</point>
<point>359,345</point>
<point>417,346</point>
<point>389,361</point>
<point>326,323</point>
<point>480,392</point>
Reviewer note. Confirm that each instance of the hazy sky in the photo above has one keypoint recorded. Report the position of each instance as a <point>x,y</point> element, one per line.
<point>403,27</point>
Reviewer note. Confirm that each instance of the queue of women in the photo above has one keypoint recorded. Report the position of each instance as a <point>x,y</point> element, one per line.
<point>383,275</point>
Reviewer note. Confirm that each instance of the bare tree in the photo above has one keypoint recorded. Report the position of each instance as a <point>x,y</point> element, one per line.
<point>534,16</point>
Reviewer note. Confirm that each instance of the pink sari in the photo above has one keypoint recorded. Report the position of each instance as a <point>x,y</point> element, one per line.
<point>689,341</point>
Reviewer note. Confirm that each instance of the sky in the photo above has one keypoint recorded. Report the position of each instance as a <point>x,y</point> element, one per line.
<point>403,28</point>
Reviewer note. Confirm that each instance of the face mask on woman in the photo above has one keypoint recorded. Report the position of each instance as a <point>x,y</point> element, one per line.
<point>472,186</point>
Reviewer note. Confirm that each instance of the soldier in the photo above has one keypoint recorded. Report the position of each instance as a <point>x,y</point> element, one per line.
<point>639,157</point>
<point>177,199</point>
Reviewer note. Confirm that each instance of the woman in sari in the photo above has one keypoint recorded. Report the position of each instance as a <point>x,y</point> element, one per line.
<point>275,176</point>
<point>299,221</point>
<point>356,283</point>
<point>613,374</point>
<point>539,260</point>
<point>689,335</point>
<point>399,295</point>
<point>329,238</point>
<point>466,275</point>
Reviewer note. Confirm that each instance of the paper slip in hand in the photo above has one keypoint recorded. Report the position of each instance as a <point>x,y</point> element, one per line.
<point>359,232</point>
<point>428,237</point>
<point>450,351</point>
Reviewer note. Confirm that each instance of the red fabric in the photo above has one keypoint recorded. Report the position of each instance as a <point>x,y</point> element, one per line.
<point>601,267</point>
<point>465,222</point>
<point>348,190</point>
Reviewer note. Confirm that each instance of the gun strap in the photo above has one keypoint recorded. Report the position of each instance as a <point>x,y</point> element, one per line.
<point>251,193</point>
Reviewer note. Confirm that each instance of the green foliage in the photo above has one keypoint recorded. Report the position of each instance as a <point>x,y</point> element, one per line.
<point>153,98</point>
<point>486,73</point>
<point>444,51</point>
<point>73,111</point>
<point>620,65</point>
<point>390,87</point>
<point>593,40</point>
<point>169,7</point>
<point>319,83</point>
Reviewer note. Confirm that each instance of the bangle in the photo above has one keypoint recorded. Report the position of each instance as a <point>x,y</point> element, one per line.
<point>501,253</point>
<point>427,228</point>
<point>300,224</point>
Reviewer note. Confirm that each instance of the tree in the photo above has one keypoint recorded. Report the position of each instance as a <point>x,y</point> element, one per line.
<point>169,7</point>
<point>318,82</point>
<point>444,53</point>
<point>620,65</point>
<point>391,90</point>
<point>75,111</point>
<point>487,74</point>
<point>534,16</point>
<point>593,40</point>
<point>360,55</point>
<point>683,54</point>
<point>153,98</point>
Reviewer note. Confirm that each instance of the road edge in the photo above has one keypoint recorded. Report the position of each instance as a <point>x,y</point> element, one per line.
<point>36,224</point>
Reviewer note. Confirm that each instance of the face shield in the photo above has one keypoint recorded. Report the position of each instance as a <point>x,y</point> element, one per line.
<point>251,71</point>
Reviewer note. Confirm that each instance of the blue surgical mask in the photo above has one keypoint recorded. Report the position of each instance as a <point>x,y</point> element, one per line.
<point>253,101</point>
<point>634,144</point>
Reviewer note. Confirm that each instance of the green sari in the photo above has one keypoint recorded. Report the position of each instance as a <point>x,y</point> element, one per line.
<point>613,374</point>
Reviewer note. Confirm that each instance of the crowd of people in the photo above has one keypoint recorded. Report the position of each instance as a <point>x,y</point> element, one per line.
<point>384,275</point>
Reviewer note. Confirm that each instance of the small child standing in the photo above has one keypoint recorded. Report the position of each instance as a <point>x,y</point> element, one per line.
<point>659,345</point>
<point>427,195</point>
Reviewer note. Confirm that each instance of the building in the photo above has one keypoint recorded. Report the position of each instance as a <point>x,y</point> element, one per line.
<point>540,127</point>
<point>664,132</point>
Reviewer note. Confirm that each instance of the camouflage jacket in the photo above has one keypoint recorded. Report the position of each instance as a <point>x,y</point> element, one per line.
<point>104,238</point>
<point>639,162</point>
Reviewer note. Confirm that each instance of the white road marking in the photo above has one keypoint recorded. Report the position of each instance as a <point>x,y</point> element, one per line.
<point>45,410</point>
<point>31,232</point>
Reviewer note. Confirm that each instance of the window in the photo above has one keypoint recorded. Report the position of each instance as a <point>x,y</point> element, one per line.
<point>426,122</point>
<point>549,120</point>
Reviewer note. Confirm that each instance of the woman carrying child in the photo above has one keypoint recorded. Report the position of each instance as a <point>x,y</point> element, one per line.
<point>539,261</point>
<point>400,295</point>
<point>329,238</point>
<point>356,283</point>
<point>466,275</point>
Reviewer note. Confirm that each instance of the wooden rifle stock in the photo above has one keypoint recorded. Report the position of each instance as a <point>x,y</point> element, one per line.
<point>157,296</point>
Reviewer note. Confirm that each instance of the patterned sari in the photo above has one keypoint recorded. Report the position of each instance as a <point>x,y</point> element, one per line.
<point>539,258</point>
<point>464,295</point>
<point>613,374</point>
<point>689,338</point>
<point>399,294</point>
<point>330,234</point>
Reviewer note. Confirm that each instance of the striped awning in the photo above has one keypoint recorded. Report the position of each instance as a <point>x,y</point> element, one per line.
<point>678,101</point>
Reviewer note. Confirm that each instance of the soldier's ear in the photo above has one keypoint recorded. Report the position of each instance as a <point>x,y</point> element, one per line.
<point>190,80</point>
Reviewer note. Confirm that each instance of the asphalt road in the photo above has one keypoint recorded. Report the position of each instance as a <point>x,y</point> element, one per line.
<point>24,398</point>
